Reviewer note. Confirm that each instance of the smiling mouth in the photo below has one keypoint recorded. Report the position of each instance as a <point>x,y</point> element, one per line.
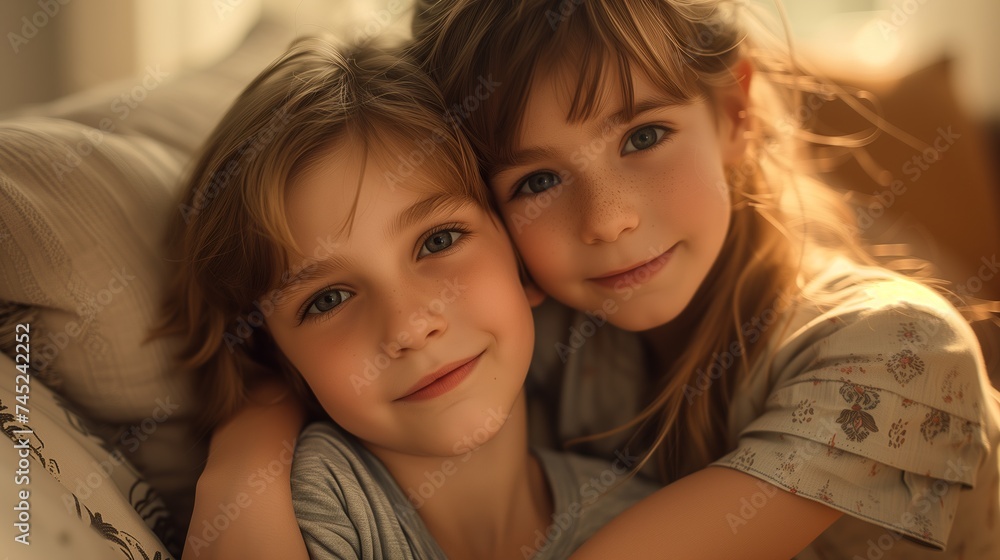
<point>636,274</point>
<point>441,381</point>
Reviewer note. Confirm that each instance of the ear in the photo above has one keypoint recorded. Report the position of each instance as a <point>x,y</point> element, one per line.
<point>732,104</point>
<point>534,294</point>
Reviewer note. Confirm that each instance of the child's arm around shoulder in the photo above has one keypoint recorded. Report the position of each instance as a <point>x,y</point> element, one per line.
<point>689,519</point>
<point>241,483</point>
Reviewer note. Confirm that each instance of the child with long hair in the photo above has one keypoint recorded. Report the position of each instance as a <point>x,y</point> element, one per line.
<point>717,307</point>
<point>390,299</point>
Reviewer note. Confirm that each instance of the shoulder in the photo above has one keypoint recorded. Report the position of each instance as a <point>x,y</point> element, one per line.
<point>852,313</point>
<point>860,332</point>
<point>324,445</point>
<point>874,400</point>
<point>329,468</point>
<point>340,498</point>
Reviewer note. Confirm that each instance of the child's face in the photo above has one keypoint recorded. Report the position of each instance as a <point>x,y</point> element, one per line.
<point>625,218</point>
<point>413,292</point>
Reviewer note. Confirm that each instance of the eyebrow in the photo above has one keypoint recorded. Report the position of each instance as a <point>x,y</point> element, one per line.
<point>416,212</point>
<point>527,156</point>
<point>303,279</point>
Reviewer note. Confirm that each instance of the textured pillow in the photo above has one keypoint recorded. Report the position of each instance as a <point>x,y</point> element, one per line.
<point>79,496</point>
<point>85,192</point>
<point>82,216</point>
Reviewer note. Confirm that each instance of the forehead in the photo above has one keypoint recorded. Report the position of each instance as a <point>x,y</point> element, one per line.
<point>347,181</point>
<point>556,89</point>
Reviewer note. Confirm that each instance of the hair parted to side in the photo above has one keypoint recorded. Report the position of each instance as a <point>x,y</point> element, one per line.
<point>687,48</point>
<point>230,239</point>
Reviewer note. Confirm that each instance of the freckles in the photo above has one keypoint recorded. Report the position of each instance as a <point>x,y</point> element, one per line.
<point>668,187</point>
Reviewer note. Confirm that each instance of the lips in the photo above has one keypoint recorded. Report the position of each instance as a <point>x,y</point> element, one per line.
<point>441,381</point>
<point>637,273</point>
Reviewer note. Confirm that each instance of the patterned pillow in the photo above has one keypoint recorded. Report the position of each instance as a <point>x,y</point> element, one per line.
<point>66,479</point>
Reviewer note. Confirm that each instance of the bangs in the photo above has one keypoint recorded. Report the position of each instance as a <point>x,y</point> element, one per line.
<point>685,51</point>
<point>419,159</point>
<point>375,101</point>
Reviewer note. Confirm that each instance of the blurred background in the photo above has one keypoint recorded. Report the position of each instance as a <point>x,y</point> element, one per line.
<point>930,67</point>
<point>56,47</point>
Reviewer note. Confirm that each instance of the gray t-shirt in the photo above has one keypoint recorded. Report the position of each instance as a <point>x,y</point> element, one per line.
<point>349,506</point>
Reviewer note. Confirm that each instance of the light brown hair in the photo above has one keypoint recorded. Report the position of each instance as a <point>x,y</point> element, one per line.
<point>229,238</point>
<point>687,49</point>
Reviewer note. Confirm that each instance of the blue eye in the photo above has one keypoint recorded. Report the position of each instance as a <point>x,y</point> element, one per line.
<point>439,241</point>
<point>643,139</point>
<point>327,300</point>
<point>539,182</point>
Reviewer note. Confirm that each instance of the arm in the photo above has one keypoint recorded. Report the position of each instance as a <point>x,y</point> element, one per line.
<point>247,481</point>
<point>709,514</point>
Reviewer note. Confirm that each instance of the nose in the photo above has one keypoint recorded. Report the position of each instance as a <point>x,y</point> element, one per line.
<point>415,316</point>
<point>605,211</point>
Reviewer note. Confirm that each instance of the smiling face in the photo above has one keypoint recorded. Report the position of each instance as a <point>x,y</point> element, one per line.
<point>621,216</point>
<point>412,329</point>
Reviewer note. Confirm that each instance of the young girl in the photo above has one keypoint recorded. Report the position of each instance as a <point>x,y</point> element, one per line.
<point>340,236</point>
<point>727,319</point>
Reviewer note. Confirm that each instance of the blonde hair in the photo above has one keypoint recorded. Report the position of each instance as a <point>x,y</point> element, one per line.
<point>687,49</point>
<point>230,239</point>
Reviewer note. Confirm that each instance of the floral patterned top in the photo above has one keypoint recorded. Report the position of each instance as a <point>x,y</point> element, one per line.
<point>872,398</point>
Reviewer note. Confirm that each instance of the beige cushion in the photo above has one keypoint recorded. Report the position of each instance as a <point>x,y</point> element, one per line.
<point>82,216</point>
<point>85,192</point>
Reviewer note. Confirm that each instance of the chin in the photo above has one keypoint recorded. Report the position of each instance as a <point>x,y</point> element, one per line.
<point>639,315</point>
<point>640,324</point>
